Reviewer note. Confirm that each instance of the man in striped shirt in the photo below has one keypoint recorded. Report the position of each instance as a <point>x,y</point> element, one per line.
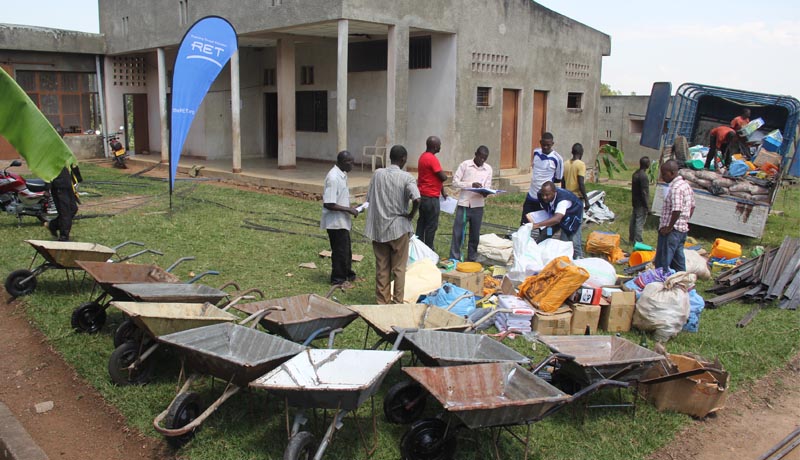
<point>674,223</point>
<point>389,224</point>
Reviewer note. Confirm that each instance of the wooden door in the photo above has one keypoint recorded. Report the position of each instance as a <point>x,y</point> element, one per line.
<point>539,118</point>
<point>136,128</point>
<point>508,133</point>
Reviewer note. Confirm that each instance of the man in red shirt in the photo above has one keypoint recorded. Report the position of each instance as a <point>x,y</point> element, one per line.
<point>740,121</point>
<point>723,138</point>
<point>430,182</point>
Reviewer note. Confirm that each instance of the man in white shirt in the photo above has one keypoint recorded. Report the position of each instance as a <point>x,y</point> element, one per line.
<point>336,218</point>
<point>474,173</point>
<point>546,165</point>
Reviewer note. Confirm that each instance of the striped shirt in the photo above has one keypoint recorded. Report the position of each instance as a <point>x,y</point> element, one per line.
<point>679,198</point>
<point>389,192</point>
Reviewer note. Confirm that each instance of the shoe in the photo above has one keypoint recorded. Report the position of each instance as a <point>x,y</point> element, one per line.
<point>63,238</point>
<point>52,228</point>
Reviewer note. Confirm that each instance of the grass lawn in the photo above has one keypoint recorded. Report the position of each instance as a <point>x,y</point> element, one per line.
<point>208,222</point>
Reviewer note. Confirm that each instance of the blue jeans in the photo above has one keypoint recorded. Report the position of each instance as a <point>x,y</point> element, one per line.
<point>577,241</point>
<point>669,252</point>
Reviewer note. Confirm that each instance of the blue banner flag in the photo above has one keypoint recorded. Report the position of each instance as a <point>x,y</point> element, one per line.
<point>204,51</point>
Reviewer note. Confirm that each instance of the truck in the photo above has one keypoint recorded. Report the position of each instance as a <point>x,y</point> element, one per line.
<point>693,112</point>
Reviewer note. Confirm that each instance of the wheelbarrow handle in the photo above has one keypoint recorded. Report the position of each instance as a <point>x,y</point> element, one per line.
<point>245,295</point>
<point>135,243</point>
<point>315,334</point>
<point>229,391</point>
<point>332,335</point>
<point>550,359</point>
<point>138,253</point>
<point>401,333</point>
<point>229,284</point>
<point>667,378</point>
<point>178,262</point>
<point>459,299</point>
<point>487,317</point>
<point>585,392</point>
<point>258,316</point>
<point>198,277</point>
<point>332,289</point>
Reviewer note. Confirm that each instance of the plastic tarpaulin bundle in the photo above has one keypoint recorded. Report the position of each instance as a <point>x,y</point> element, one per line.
<point>448,294</point>
<point>605,243</point>
<point>696,306</point>
<point>554,284</point>
<point>664,307</point>
<point>520,317</point>
<point>646,277</point>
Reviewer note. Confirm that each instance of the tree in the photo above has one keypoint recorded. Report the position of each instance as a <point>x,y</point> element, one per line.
<point>605,90</point>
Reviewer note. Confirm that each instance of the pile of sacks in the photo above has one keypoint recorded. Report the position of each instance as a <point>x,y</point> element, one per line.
<point>715,183</point>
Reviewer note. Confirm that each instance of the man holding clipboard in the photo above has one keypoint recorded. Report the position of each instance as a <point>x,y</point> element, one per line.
<point>473,177</point>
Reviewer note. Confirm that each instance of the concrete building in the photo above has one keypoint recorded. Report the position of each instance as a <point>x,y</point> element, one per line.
<point>620,123</point>
<point>314,77</point>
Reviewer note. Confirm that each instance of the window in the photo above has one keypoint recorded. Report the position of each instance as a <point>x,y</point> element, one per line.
<point>608,109</point>
<point>574,100</point>
<point>307,75</point>
<point>269,77</point>
<point>483,97</point>
<point>637,126</point>
<point>68,99</point>
<point>311,109</point>
<point>367,56</point>
<point>608,133</point>
<point>419,52</point>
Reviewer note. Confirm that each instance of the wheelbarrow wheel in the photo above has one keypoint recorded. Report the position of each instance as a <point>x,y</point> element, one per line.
<point>300,447</point>
<point>404,402</point>
<point>183,410</point>
<point>15,286</point>
<point>121,358</point>
<point>127,331</point>
<point>89,317</point>
<point>426,440</point>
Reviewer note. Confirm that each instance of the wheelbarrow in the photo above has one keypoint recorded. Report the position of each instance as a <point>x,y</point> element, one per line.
<point>233,353</point>
<point>490,395</point>
<point>405,401</point>
<point>128,362</point>
<point>91,316</point>
<point>301,315</point>
<point>62,255</point>
<point>338,380</point>
<point>384,318</point>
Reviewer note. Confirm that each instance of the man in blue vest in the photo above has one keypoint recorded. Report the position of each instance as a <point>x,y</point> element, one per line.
<point>564,209</point>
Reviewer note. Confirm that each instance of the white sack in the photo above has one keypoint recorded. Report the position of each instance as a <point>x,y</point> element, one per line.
<point>663,308</point>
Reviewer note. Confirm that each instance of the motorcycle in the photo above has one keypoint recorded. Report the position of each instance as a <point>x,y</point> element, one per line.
<point>25,198</point>
<point>118,152</point>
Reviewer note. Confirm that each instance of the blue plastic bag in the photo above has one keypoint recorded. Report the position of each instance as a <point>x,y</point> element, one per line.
<point>738,168</point>
<point>448,293</point>
<point>696,306</point>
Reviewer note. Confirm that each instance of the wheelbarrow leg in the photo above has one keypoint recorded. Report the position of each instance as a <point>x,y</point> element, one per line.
<point>336,424</point>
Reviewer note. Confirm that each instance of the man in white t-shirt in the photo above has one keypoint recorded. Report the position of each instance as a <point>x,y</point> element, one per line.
<point>336,219</point>
<point>546,165</point>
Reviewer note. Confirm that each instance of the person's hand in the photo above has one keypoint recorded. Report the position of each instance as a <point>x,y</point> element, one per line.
<point>477,185</point>
<point>354,212</point>
<point>485,194</point>
<point>444,194</point>
<point>664,231</point>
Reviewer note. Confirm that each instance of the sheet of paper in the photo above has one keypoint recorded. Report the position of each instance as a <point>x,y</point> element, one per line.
<point>363,206</point>
<point>539,216</point>
<point>448,205</point>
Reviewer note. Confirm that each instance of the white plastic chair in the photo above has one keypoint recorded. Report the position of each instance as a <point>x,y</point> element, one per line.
<point>376,152</point>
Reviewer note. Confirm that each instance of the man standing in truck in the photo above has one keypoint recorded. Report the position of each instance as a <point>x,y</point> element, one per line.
<point>674,224</point>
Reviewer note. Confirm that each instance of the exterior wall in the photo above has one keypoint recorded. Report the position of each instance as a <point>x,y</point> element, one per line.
<point>617,116</point>
<point>30,38</point>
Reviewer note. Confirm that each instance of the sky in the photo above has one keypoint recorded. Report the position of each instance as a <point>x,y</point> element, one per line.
<point>737,44</point>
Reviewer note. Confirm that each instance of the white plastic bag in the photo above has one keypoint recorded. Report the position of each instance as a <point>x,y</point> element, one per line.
<point>527,260</point>
<point>552,248</point>
<point>664,307</point>
<point>695,263</point>
<point>601,272</point>
<point>417,250</point>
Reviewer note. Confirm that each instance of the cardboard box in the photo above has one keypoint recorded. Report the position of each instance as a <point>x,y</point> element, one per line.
<point>583,316</point>
<point>587,295</point>
<point>558,324</point>
<point>472,282</point>
<point>617,316</point>
<point>697,395</point>
<point>764,156</point>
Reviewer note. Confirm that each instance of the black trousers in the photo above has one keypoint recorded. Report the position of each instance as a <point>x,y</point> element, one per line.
<point>464,216</point>
<point>342,257</point>
<point>428,221</point>
<point>67,207</point>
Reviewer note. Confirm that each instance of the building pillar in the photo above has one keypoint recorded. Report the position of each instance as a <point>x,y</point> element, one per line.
<point>162,105</point>
<point>236,110</point>
<point>287,140</point>
<point>397,85</point>
<point>341,86</point>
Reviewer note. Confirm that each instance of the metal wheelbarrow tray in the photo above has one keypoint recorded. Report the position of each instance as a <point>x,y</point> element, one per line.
<point>442,348</point>
<point>60,255</point>
<point>384,318</point>
<point>302,315</point>
<point>491,395</point>
<point>597,357</point>
<point>171,292</point>
<point>127,363</point>
<point>231,352</point>
<point>339,380</point>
